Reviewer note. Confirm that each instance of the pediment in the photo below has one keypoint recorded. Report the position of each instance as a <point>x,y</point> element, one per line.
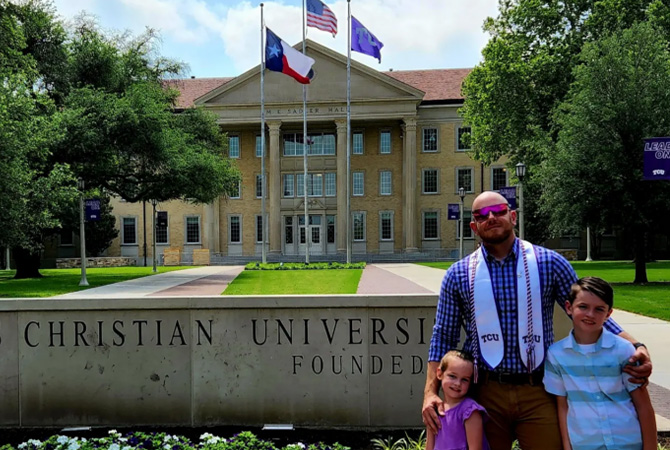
<point>329,85</point>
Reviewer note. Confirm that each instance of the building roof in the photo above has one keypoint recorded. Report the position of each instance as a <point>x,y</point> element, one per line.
<point>440,85</point>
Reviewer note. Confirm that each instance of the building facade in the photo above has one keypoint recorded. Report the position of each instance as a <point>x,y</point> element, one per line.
<point>407,162</point>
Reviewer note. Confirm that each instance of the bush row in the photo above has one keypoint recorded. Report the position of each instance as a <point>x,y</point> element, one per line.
<point>303,266</point>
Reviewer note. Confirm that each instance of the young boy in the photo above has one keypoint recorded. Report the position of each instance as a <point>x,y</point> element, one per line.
<point>598,408</point>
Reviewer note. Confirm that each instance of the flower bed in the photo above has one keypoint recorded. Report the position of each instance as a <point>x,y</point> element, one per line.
<point>164,441</point>
<point>303,266</point>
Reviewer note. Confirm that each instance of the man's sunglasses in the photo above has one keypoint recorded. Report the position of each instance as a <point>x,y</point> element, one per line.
<point>482,214</point>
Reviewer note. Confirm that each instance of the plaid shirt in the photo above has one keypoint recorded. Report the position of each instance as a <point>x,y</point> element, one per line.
<point>556,277</point>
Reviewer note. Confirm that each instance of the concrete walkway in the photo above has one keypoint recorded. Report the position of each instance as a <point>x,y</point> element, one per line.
<point>396,278</point>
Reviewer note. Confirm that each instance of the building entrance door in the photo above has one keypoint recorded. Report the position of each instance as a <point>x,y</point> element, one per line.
<point>314,233</point>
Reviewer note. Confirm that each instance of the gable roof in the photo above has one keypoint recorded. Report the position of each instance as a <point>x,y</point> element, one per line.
<point>440,85</point>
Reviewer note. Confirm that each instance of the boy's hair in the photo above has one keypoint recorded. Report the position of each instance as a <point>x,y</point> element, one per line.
<point>465,356</point>
<point>596,286</point>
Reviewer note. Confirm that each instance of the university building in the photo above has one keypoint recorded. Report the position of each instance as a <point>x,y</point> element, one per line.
<point>408,160</point>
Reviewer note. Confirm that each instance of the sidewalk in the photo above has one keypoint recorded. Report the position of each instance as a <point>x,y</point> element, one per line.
<point>395,278</point>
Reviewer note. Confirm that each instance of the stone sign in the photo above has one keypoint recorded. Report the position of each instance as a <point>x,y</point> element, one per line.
<point>333,361</point>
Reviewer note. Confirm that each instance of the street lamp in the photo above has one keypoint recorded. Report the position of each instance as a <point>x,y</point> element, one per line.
<point>461,194</point>
<point>153,235</point>
<point>82,237</point>
<point>520,174</point>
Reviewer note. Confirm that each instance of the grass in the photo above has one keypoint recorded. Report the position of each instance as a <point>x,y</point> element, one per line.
<point>63,281</point>
<point>270,282</point>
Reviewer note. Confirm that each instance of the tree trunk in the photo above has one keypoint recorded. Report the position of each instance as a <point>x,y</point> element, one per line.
<point>640,257</point>
<point>27,263</point>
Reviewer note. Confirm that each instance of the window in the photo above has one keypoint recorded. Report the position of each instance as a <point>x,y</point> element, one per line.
<point>259,228</point>
<point>289,187</point>
<point>330,230</point>
<point>430,139</point>
<point>498,178</point>
<point>385,142</point>
<point>234,146</point>
<point>357,143</point>
<point>463,138</point>
<point>430,225</point>
<point>288,229</point>
<point>385,182</point>
<point>467,231</point>
<point>358,223</point>
<point>192,229</point>
<point>358,179</point>
<point>300,182</point>
<point>162,228</point>
<point>331,186</point>
<point>65,238</point>
<point>429,181</point>
<point>386,225</point>
<point>235,230</point>
<point>465,179</point>
<point>235,193</point>
<point>259,186</point>
<point>315,184</point>
<point>259,152</point>
<point>319,144</point>
<point>129,231</point>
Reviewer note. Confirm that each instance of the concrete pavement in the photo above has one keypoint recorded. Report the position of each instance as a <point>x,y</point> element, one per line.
<point>393,278</point>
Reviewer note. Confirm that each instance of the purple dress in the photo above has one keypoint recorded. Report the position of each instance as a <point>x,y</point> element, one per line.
<point>452,434</point>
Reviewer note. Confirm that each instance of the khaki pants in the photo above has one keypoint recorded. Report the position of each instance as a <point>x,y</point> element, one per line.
<point>527,413</point>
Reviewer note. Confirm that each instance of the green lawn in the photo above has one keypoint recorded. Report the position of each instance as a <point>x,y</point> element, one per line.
<point>270,282</point>
<point>651,299</point>
<point>62,281</point>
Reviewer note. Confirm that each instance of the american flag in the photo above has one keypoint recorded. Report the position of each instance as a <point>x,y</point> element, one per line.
<point>321,17</point>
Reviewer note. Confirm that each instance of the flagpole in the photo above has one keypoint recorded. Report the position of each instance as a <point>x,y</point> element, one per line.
<point>263,225</point>
<point>348,131</point>
<point>304,143</point>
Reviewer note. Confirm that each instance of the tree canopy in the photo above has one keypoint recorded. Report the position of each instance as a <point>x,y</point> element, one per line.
<point>83,103</point>
<point>530,100</point>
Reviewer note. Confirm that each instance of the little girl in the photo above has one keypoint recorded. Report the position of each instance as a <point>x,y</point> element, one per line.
<point>463,420</point>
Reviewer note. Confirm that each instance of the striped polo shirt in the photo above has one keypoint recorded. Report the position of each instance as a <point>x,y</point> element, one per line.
<point>601,414</point>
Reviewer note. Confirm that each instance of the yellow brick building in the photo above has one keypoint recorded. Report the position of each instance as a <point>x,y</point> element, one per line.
<point>407,163</point>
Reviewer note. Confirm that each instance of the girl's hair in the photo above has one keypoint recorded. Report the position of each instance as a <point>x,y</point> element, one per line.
<point>596,286</point>
<point>444,363</point>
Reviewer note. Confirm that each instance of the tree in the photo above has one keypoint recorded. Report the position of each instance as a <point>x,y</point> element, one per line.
<point>123,134</point>
<point>512,96</point>
<point>595,175</point>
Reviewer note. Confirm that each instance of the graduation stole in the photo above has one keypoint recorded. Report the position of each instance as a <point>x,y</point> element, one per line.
<point>489,342</point>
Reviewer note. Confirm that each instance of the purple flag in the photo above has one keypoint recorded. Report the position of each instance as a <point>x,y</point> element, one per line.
<point>363,41</point>
<point>657,158</point>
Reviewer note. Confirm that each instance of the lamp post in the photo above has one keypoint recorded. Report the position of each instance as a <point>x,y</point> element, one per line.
<point>153,235</point>
<point>520,174</point>
<point>588,244</point>
<point>82,237</point>
<point>461,194</point>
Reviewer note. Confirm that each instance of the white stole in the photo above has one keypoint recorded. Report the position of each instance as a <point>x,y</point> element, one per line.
<point>489,333</point>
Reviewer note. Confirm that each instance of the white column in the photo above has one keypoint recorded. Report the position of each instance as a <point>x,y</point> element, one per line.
<point>409,217</point>
<point>275,188</point>
<point>341,223</point>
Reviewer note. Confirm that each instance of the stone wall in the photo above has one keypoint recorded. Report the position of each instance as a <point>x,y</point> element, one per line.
<point>100,261</point>
<point>568,253</point>
<point>336,361</point>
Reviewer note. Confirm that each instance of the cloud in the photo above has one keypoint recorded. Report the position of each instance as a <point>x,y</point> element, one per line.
<point>416,34</point>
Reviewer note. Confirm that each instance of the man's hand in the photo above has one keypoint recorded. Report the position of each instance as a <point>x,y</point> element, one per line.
<point>639,366</point>
<point>432,406</point>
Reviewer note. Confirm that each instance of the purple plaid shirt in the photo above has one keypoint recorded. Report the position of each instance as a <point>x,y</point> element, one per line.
<point>556,277</point>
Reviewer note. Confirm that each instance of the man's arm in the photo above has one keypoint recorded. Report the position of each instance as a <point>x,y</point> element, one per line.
<point>562,404</point>
<point>645,414</point>
<point>431,399</point>
<point>639,366</point>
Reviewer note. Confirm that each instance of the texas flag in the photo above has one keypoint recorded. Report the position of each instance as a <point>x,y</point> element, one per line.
<point>281,57</point>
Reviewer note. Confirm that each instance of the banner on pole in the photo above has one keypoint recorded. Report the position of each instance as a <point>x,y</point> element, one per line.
<point>657,158</point>
<point>509,192</point>
<point>453,211</point>
<point>92,209</point>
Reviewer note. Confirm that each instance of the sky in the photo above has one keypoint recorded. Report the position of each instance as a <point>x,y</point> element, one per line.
<point>222,38</point>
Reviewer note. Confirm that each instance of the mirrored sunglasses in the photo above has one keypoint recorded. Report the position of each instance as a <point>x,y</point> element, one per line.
<point>482,214</point>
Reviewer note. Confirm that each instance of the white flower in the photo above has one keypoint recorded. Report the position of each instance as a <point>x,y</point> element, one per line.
<point>115,447</point>
<point>74,445</point>
<point>35,442</point>
<point>22,445</point>
<point>127,447</point>
<point>62,439</point>
<point>123,440</point>
<point>113,433</point>
<point>205,436</point>
<point>167,446</point>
